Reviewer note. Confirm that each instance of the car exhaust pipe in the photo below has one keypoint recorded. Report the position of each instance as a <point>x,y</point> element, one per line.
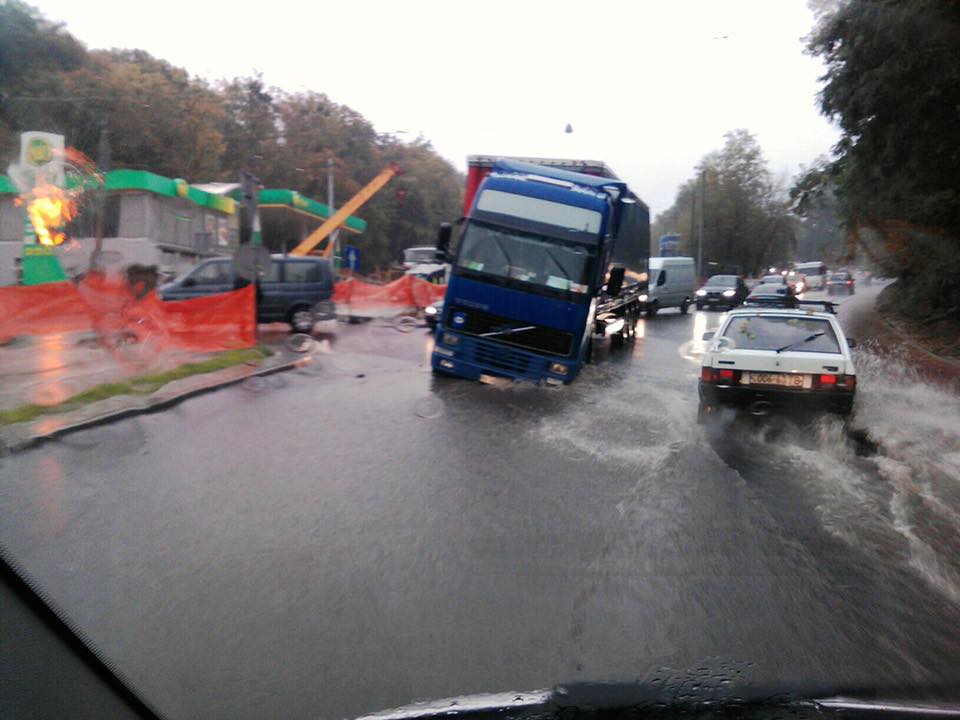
<point>760,408</point>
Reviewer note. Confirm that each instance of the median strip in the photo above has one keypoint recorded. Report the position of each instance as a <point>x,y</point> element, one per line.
<point>138,385</point>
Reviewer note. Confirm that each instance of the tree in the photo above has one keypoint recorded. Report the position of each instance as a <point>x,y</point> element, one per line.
<point>747,225</point>
<point>893,86</point>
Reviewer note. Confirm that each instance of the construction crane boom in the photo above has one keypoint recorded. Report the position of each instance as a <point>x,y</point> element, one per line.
<point>340,217</point>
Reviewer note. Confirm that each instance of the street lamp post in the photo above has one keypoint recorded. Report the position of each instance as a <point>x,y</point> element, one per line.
<point>703,190</point>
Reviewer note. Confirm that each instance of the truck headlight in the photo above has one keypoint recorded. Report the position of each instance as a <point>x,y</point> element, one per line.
<point>642,298</point>
<point>430,310</point>
<point>728,293</point>
<point>701,293</point>
<point>558,368</point>
<point>450,339</point>
<point>443,351</point>
<point>447,364</point>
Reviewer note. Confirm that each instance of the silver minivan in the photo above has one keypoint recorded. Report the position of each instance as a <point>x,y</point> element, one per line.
<point>672,282</point>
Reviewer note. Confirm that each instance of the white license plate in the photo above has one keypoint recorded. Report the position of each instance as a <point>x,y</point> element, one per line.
<point>789,380</point>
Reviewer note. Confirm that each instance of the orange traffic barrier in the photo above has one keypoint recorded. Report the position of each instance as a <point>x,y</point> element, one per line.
<point>407,293</point>
<point>109,306</point>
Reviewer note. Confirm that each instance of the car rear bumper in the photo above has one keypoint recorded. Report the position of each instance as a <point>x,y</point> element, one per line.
<point>762,400</point>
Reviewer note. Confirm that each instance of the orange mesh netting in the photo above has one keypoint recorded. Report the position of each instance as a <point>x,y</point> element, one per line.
<point>407,293</point>
<point>110,307</point>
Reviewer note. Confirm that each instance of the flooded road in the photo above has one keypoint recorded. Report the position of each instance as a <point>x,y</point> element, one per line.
<point>358,534</point>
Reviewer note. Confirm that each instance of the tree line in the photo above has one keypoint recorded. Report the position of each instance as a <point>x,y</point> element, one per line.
<point>747,224</point>
<point>892,85</point>
<point>157,117</point>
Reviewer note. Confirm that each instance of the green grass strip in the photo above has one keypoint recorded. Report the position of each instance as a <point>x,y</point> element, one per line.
<point>139,385</point>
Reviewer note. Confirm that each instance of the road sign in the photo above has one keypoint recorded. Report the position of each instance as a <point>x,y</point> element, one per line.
<point>351,258</point>
<point>251,261</point>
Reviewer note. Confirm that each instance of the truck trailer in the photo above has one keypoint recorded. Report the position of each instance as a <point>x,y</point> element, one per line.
<point>550,257</point>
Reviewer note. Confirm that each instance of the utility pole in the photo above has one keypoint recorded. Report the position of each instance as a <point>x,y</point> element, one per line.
<point>335,235</point>
<point>703,206</point>
<point>103,166</point>
<point>693,218</point>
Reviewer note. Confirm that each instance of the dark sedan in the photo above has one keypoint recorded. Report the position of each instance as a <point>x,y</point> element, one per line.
<point>722,291</point>
<point>840,283</point>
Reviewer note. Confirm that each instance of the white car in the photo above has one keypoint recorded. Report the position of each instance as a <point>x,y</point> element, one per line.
<point>768,356</point>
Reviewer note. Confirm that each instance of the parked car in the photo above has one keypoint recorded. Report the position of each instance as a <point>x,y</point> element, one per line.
<point>764,358</point>
<point>722,291</point>
<point>815,274</point>
<point>295,290</point>
<point>672,281</point>
<point>841,283</point>
<point>432,313</point>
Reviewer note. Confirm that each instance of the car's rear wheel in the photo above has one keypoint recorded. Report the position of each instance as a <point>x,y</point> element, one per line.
<point>301,319</point>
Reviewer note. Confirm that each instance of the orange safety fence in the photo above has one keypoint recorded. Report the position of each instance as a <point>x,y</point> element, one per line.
<point>407,293</point>
<point>109,306</point>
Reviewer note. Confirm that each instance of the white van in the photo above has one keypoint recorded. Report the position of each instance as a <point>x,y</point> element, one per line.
<point>672,283</point>
<point>815,274</point>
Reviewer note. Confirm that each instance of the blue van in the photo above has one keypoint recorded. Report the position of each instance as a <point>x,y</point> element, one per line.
<point>295,290</point>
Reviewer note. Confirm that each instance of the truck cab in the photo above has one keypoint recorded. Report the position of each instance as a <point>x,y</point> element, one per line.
<point>530,262</point>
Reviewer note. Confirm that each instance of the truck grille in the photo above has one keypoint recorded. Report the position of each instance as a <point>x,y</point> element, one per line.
<point>497,355</point>
<point>538,338</point>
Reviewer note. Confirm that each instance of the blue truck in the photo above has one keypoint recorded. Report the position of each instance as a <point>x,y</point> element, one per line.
<point>549,258</point>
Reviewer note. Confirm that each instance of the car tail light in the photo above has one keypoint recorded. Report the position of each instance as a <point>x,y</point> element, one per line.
<point>849,282</point>
<point>720,377</point>
<point>835,382</point>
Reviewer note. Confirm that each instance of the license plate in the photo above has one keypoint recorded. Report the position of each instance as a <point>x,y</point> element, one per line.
<point>780,379</point>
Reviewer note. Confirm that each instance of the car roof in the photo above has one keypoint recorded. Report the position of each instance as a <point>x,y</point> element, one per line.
<point>790,312</point>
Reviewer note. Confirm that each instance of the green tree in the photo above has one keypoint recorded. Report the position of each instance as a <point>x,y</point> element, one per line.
<point>747,225</point>
<point>893,86</point>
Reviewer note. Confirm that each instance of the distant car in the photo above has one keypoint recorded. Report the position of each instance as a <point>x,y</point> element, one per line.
<point>414,256</point>
<point>432,313</point>
<point>295,290</point>
<point>773,280</point>
<point>722,291</point>
<point>797,282</point>
<point>841,283</point>
<point>815,274</point>
<point>767,358</point>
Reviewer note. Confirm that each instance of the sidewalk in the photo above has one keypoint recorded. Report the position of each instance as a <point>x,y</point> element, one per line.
<point>46,370</point>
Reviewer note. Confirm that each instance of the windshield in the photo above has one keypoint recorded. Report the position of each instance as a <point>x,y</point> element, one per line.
<point>463,432</point>
<point>761,332</point>
<point>420,256</point>
<point>525,257</point>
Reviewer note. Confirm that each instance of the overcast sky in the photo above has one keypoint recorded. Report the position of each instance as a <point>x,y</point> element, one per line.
<point>648,87</point>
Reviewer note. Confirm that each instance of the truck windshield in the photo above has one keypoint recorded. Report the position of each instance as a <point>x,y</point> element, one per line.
<point>525,257</point>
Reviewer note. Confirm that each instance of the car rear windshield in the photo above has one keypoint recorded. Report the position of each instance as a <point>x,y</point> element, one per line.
<point>771,279</point>
<point>770,332</point>
<point>838,276</point>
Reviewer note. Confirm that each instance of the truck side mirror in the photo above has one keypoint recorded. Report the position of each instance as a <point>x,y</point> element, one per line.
<point>616,279</point>
<point>443,242</point>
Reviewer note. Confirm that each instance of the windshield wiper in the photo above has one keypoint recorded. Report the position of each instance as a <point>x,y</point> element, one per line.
<point>801,342</point>
<point>566,275</point>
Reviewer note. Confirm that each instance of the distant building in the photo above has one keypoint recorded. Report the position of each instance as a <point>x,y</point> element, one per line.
<point>154,220</point>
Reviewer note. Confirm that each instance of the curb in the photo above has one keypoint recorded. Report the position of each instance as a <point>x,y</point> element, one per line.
<point>18,437</point>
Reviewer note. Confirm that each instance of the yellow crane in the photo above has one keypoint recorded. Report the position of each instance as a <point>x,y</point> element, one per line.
<point>340,217</point>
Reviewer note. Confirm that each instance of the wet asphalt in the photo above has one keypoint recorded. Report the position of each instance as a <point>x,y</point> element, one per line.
<point>359,534</point>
